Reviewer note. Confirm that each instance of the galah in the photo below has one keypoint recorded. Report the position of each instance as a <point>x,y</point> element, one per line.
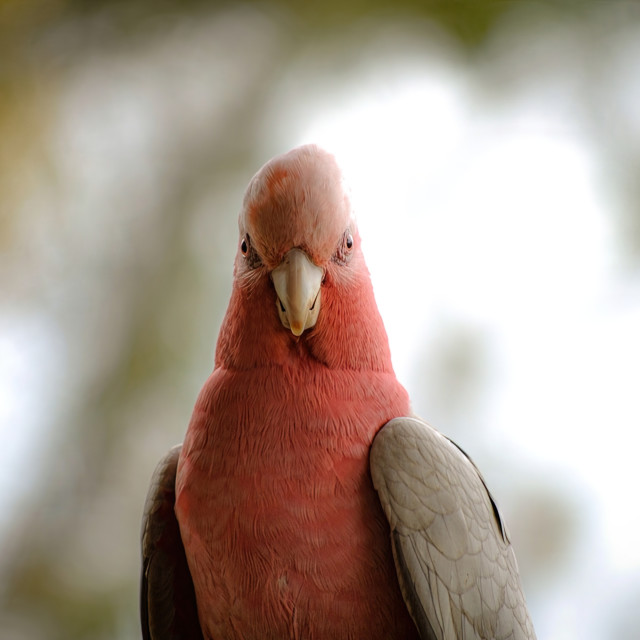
<point>306,501</point>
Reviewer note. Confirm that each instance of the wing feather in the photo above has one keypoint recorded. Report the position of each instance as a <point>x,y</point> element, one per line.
<point>167,599</point>
<point>455,564</point>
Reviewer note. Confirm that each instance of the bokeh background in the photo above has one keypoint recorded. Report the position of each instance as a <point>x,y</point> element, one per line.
<point>493,149</point>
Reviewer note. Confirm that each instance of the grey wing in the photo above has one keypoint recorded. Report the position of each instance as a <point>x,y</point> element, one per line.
<point>455,564</point>
<point>167,599</point>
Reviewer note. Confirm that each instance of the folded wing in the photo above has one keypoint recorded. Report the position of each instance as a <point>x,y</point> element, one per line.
<point>167,599</point>
<point>455,564</point>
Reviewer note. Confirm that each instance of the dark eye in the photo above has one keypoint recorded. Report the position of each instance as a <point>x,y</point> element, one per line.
<point>343,252</point>
<point>249,253</point>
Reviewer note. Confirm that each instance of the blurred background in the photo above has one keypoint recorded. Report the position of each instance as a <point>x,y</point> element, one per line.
<point>493,149</point>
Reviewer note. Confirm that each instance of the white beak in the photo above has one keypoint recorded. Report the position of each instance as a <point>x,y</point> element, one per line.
<point>297,282</point>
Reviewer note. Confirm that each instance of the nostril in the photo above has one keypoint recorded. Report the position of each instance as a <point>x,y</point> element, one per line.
<point>314,302</point>
<point>282,306</point>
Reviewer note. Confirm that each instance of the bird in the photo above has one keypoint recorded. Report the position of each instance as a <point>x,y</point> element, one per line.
<point>307,500</point>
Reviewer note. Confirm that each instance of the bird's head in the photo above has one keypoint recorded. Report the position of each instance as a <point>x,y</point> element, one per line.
<point>297,224</point>
<point>300,277</point>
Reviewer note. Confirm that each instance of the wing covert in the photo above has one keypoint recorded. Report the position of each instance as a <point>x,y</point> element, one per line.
<point>455,564</point>
<point>167,599</point>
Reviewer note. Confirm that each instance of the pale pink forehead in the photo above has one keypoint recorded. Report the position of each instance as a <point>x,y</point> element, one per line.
<point>297,200</point>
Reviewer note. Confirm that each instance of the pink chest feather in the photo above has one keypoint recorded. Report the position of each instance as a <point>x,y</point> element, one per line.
<point>282,528</point>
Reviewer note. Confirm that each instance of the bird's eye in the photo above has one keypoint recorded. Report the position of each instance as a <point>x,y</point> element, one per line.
<point>252,259</point>
<point>343,252</point>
